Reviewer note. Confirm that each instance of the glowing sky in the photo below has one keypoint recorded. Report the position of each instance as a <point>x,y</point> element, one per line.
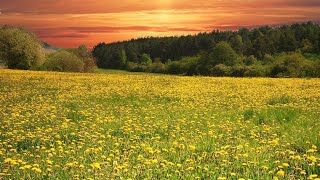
<point>69,23</point>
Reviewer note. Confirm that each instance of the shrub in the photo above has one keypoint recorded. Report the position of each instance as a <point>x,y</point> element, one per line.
<point>256,71</point>
<point>220,70</point>
<point>64,61</point>
<point>186,66</point>
<point>174,68</point>
<point>189,65</point>
<point>289,65</point>
<point>238,71</point>
<point>312,68</point>
<point>135,67</point>
<point>157,67</point>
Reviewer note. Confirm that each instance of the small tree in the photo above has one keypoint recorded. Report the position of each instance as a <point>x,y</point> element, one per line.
<point>20,49</point>
<point>83,54</point>
<point>223,54</point>
<point>146,60</point>
<point>123,58</point>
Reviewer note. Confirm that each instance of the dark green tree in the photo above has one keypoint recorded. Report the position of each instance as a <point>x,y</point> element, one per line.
<point>237,44</point>
<point>222,54</point>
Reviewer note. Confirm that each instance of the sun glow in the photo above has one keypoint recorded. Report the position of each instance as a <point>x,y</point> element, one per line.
<point>164,17</point>
<point>98,21</point>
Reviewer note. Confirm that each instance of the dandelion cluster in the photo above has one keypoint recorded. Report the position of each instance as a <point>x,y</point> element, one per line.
<point>140,126</point>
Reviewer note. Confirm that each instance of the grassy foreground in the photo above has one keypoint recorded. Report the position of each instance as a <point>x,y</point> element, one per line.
<point>142,126</point>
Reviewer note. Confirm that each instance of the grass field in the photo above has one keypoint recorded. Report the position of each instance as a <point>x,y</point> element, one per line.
<point>116,125</point>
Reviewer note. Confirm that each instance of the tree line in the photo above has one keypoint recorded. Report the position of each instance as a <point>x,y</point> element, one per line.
<point>282,51</point>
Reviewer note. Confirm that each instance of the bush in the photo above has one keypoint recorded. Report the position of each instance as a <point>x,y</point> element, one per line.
<point>257,71</point>
<point>64,61</point>
<point>20,49</point>
<point>289,65</point>
<point>189,65</point>
<point>174,68</point>
<point>238,71</point>
<point>157,67</point>
<point>220,70</point>
<point>186,66</point>
<point>312,68</point>
<point>135,67</point>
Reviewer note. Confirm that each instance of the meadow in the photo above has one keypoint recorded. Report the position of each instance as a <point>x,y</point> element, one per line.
<point>112,125</point>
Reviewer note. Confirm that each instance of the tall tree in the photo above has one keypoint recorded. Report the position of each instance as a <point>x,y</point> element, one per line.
<point>123,58</point>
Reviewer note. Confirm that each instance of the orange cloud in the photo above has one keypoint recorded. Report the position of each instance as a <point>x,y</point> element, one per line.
<point>70,23</point>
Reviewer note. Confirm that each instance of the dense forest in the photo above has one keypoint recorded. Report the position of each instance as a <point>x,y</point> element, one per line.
<point>282,51</point>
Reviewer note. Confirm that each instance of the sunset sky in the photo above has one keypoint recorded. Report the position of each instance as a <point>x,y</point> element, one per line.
<point>69,23</point>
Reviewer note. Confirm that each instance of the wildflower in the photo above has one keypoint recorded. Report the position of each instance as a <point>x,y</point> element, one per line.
<point>190,168</point>
<point>280,173</point>
<point>311,151</point>
<point>312,158</point>
<point>37,170</point>
<point>49,162</point>
<point>312,176</point>
<point>192,148</point>
<point>285,165</point>
<point>221,178</point>
<point>96,165</point>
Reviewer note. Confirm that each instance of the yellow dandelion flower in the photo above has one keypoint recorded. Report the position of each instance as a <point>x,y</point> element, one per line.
<point>280,173</point>
<point>192,148</point>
